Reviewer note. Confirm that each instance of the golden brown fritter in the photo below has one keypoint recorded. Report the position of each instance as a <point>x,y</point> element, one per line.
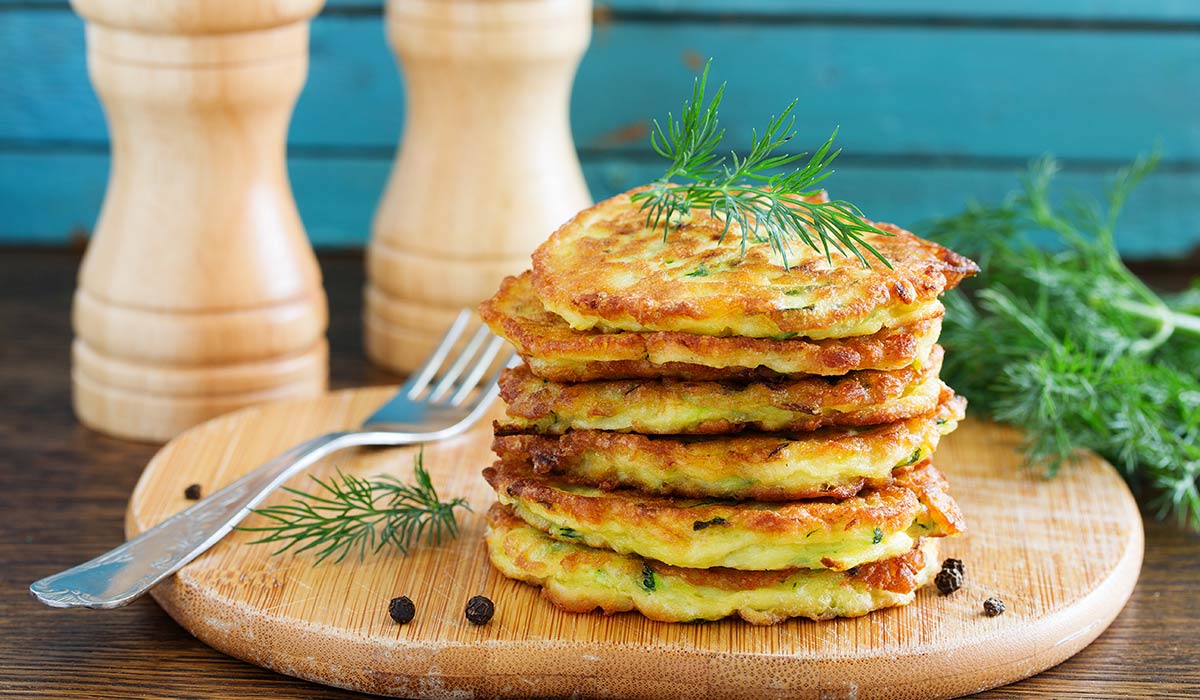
<point>672,407</point>
<point>555,351</point>
<point>751,535</point>
<point>832,462</point>
<point>581,579</point>
<point>605,269</point>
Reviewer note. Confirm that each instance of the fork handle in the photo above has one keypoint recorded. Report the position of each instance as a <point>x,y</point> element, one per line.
<point>121,575</point>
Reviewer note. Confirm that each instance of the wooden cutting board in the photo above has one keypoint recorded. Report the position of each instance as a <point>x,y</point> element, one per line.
<point>1063,554</point>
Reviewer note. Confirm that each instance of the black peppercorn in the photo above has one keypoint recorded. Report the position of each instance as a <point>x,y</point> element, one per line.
<point>955,564</point>
<point>949,581</point>
<point>192,493</point>
<point>993,607</point>
<point>480,610</point>
<point>402,610</point>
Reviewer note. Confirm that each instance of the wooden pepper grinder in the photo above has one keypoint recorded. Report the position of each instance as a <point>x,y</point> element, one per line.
<point>487,168</point>
<point>199,292</point>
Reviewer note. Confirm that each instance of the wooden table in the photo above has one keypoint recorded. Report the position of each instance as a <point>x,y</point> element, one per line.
<point>63,492</point>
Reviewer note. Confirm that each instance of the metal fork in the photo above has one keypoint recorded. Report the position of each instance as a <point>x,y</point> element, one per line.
<point>422,411</point>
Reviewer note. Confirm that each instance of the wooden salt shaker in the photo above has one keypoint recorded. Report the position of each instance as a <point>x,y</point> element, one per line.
<point>199,292</point>
<point>487,167</point>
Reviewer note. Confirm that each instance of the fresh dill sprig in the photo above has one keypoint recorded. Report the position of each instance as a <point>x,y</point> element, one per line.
<point>348,513</point>
<point>1081,354</point>
<point>766,205</point>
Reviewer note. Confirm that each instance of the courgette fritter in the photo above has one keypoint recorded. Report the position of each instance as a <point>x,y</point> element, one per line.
<point>606,269</point>
<point>682,407</point>
<point>831,462</point>
<point>553,350</point>
<point>582,579</point>
<point>750,535</point>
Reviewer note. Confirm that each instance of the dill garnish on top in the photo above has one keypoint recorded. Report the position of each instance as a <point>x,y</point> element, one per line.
<point>767,204</point>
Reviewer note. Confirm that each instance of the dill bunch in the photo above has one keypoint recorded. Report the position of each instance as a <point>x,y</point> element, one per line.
<point>1076,350</point>
<point>763,193</point>
<point>350,513</point>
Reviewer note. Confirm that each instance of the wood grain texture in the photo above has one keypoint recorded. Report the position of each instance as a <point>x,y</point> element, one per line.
<point>931,88</point>
<point>337,195</point>
<point>902,91</point>
<point>65,490</point>
<point>1064,556</point>
<point>1165,11</point>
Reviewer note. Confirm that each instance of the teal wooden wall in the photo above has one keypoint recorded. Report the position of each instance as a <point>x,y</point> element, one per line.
<point>939,101</point>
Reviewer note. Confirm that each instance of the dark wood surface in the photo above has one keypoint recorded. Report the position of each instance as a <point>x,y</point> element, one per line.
<point>63,491</point>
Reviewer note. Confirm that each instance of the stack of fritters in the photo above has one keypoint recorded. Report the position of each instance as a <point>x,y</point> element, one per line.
<point>697,433</point>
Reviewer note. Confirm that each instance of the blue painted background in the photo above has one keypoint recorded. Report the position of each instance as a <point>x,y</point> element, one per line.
<point>939,102</point>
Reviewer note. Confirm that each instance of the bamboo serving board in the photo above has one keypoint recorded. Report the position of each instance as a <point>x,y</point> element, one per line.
<point>1063,554</point>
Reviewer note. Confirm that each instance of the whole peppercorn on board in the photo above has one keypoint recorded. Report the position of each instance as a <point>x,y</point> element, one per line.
<point>1063,555</point>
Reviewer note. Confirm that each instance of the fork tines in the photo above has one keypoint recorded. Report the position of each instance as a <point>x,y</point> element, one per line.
<point>457,374</point>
